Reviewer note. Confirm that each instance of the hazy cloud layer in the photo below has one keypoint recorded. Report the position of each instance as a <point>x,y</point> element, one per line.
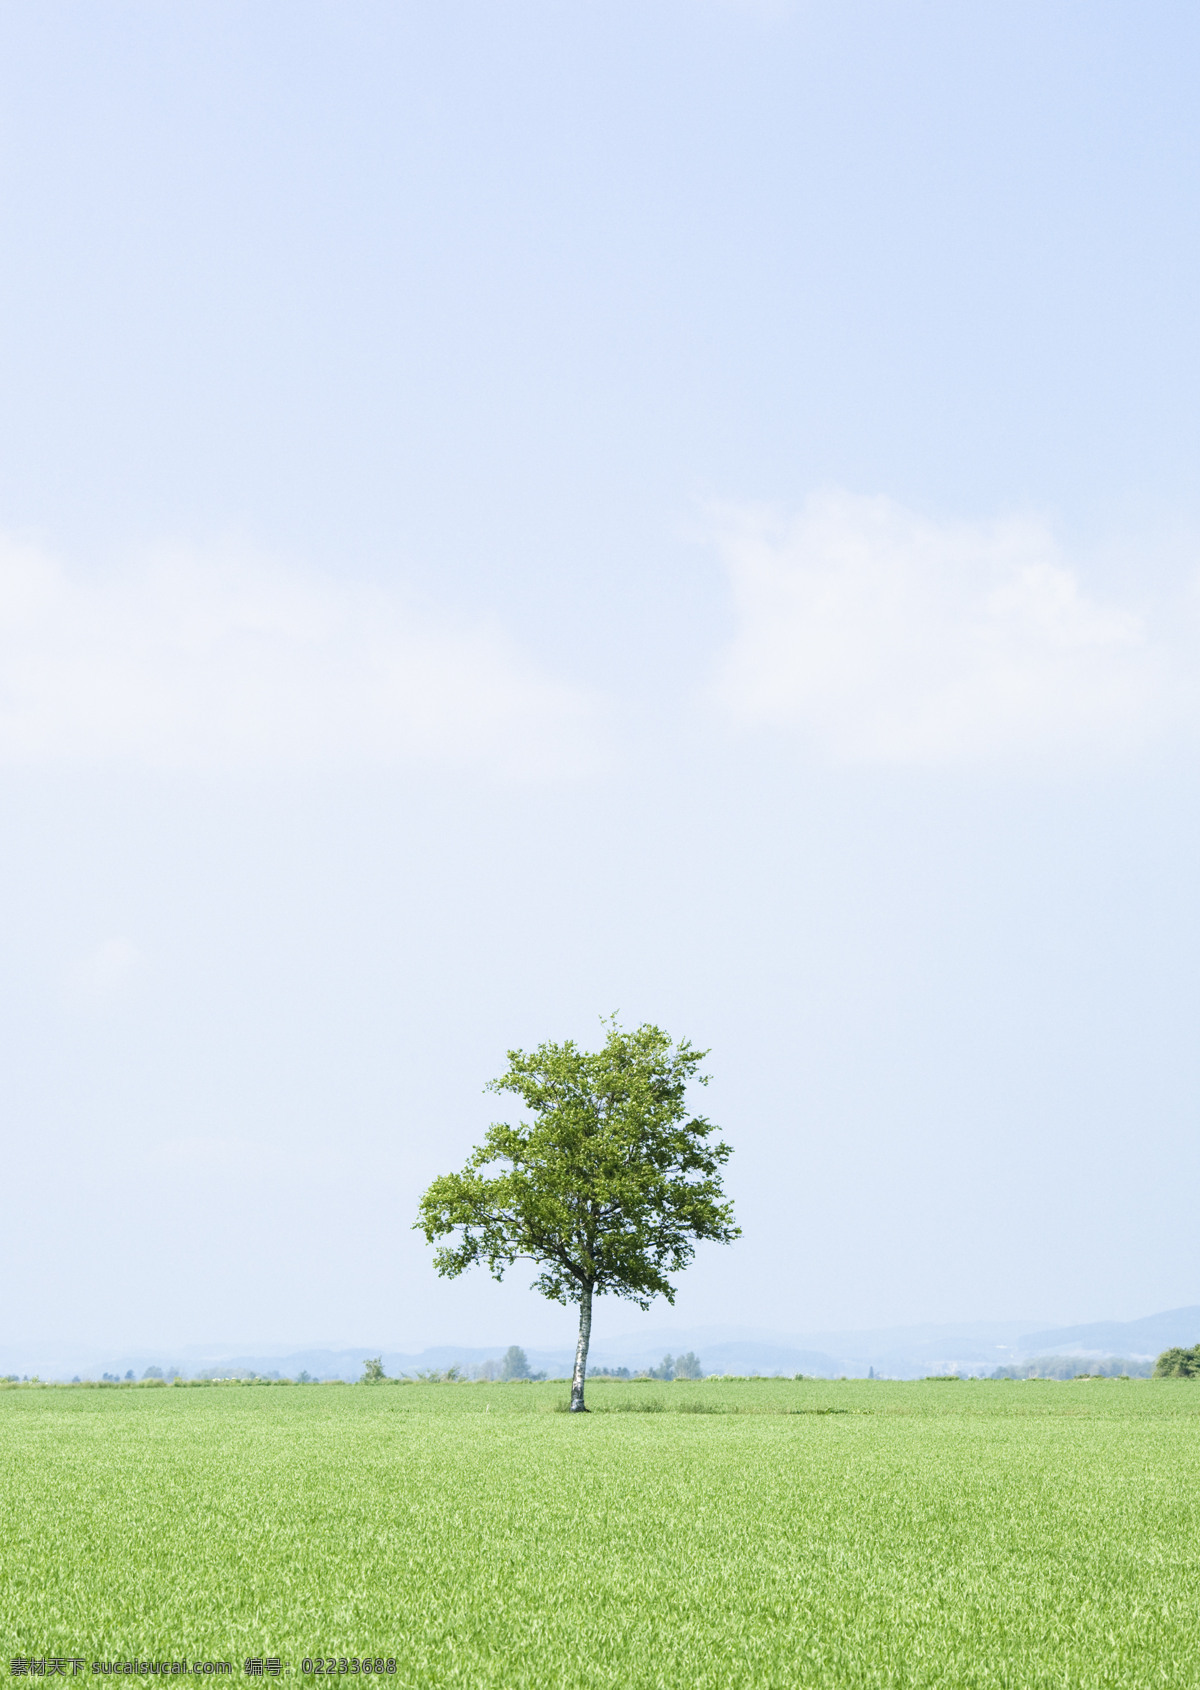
<point>193,662</point>
<point>880,636</point>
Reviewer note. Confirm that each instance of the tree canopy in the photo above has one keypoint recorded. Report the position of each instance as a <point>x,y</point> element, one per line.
<point>1178,1363</point>
<point>608,1186</point>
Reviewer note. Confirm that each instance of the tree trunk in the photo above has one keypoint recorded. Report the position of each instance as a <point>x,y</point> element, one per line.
<point>578,1406</point>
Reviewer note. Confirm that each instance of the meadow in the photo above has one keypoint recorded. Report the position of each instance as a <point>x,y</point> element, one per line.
<point>758,1533</point>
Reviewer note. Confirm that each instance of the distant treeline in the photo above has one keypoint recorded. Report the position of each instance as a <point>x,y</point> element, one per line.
<point>511,1368</point>
<point>451,1376</point>
<point>1175,1363</point>
<point>10,1381</point>
<point>670,1367</point>
<point>1075,1367</point>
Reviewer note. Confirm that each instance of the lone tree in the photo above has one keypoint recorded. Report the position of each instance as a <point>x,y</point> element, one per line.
<point>515,1364</point>
<point>607,1188</point>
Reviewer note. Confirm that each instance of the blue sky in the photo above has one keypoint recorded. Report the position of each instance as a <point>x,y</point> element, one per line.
<point>510,512</point>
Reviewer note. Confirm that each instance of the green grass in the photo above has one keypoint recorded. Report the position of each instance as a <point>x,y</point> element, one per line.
<point>761,1533</point>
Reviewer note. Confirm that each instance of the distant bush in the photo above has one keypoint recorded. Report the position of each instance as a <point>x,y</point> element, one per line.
<point>373,1373</point>
<point>1178,1364</point>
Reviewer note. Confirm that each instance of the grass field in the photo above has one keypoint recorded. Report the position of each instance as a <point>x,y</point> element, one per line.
<point>761,1533</point>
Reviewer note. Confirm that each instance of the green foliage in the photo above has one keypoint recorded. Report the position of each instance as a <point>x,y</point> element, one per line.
<point>1178,1364</point>
<point>606,1189</point>
<point>373,1373</point>
<point>764,1535</point>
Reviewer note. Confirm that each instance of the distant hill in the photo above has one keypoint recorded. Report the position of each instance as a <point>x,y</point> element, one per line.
<point>1146,1337</point>
<point>892,1352</point>
<point>904,1352</point>
<point>751,1356</point>
<point>907,1352</point>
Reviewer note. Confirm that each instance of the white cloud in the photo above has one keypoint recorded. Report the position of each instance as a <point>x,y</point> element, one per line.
<point>232,662</point>
<point>880,636</point>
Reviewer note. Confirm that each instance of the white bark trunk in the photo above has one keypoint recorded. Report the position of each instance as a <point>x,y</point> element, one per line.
<point>578,1405</point>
